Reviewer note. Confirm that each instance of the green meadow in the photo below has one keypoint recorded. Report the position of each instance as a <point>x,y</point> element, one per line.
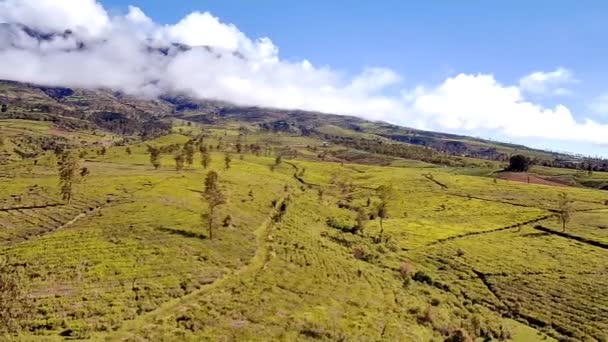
<point>458,256</point>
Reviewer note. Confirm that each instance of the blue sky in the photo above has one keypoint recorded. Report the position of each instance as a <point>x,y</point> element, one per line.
<point>427,41</point>
<point>423,40</point>
<point>530,72</point>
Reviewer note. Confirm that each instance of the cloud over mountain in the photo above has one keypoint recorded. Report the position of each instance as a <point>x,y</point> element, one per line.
<point>77,43</point>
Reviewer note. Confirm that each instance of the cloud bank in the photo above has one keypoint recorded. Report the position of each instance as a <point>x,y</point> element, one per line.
<point>204,57</point>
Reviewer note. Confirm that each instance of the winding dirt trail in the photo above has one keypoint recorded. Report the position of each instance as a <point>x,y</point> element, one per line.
<point>257,263</point>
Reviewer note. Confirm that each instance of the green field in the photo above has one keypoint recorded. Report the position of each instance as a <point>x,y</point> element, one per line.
<point>130,258</point>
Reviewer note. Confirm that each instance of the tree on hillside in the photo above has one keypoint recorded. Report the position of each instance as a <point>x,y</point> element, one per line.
<point>189,153</point>
<point>154,156</point>
<point>278,160</point>
<point>128,150</point>
<point>564,211</point>
<point>362,218</point>
<point>213,197</point>
<point>385,193</point>
<point>519,163</point>
<point>15,306</point>
<point>239,145</point>
<point>205,156</point>
<point>4,108</point>
<point>179,161</point>
<point>227,160</point>
<point>68,168</point>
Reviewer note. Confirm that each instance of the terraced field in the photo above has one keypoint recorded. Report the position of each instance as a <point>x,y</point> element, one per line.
<point>459,257</point>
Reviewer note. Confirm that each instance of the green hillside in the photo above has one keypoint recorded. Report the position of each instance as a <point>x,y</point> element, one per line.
<point>300,249</point>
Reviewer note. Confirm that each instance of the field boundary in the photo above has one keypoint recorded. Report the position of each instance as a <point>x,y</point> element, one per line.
<point>572,237</point>
<point>517,225</point>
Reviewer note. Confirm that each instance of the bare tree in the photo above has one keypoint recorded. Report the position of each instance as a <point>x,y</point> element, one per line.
<point>564,212</point>
<point>213,197</point>
<point>385,193</point>
<point>68,168</point>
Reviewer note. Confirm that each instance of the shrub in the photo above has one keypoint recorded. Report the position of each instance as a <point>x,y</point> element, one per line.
<point>405,270</point>
<point>422,277</point>
<point>364,254</point>
<point>519,163</point>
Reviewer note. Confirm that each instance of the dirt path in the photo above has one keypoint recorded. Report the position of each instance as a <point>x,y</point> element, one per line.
<point>525,177</point>
<point>257,263</point>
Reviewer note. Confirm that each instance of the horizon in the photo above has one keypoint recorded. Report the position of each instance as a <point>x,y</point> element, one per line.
<point>472,79</point>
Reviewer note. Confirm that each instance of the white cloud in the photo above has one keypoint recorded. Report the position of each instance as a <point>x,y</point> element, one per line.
<point>86,16</point>
<point>478,103</point>
<point>600,105</point>
<point>134,54</point>
<point>548,83</point>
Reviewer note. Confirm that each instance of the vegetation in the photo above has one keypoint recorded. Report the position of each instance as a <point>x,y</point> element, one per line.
<point>323,230</point>
<point>68,167</point>
<point>519,163</point>
<point>213,197</point>
<point>564,213</point>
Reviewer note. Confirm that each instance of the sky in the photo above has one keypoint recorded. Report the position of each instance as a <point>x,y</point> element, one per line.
<point>516,71</point>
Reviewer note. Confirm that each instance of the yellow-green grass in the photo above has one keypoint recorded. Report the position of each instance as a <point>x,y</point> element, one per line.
<point>140,262</point>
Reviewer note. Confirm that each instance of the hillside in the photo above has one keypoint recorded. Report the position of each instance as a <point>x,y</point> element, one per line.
<point>133,116</point>
<point>299,251</point>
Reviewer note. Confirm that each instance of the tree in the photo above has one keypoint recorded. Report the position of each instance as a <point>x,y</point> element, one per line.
<point>564,212</point>
<point>4,108</point>
<point>154,156</point>
<point>519,163</point>
<point>103,151</point>
<point>385,193</point>
<point>278,160</point>
<point>128,150</point>
<point>227,160</point>
<point>213,197</point>
<point>361,220</point>
<point>189,153</point>
<point>15,306</point>
<point>84,172</point>
<point>68,167</point>
<point>179,161</point>
<point>205,156</point>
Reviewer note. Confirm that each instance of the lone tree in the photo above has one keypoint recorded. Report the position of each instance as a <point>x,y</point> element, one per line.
<point>227,160</point>
<point>564,212</point>
<point>205,156</point>
<point>68,168</point>
<point>362,218</point>
<point>15,306</point>
<point>385,193</point>
<point>189,153</point>
<point>519,163</point>
<point>213,197</point>
<point>4,108</point>
<point>128,150</point>
<point>179,161</point>
<point>154,156</point>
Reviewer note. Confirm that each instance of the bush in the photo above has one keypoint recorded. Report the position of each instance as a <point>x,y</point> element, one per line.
<point>519,163</point>
<point>362,253</point>
<point>422,277</point>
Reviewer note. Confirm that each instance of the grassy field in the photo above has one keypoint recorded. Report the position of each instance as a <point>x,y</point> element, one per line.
<point>460,254</point>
